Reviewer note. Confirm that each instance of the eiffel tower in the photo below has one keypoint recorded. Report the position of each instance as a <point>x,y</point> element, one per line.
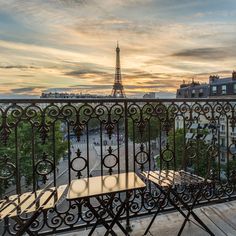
<point>118,89</point>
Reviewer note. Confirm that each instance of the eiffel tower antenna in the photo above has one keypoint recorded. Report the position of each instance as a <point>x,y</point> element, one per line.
<point>118,89</point>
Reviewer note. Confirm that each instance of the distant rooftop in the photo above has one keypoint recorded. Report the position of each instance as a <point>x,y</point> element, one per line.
<point>70,95</point>
<point>217,86</point>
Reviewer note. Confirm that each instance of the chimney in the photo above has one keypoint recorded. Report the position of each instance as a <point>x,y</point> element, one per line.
<point>213,78</point>
<point>234,75</point>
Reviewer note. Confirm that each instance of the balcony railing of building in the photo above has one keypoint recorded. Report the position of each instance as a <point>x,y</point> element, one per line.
<point>49,142</point>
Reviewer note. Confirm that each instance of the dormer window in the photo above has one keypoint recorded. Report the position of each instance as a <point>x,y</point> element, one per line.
<point>223,89</point>
<point>234,88</point>
<point>213,89</point>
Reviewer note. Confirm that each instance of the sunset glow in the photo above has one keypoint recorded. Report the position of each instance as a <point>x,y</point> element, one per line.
<point>69,45</point>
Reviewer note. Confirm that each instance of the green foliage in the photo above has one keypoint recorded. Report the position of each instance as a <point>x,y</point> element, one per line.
<point>232,171</point>
<point>190,154</point>
<point>232,165</point>
<point>176,138</point>
<point>134,131</point>
<point>24,150</point>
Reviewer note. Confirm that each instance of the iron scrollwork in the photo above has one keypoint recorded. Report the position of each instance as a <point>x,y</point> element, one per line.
<point>112,136</point>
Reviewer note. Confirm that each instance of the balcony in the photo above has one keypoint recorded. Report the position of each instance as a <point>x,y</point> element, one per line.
<point>220,218</point>
<point>50,142</point>
<point>222,133</point>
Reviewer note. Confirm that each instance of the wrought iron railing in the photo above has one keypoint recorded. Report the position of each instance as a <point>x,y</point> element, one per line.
<point>52,141</point>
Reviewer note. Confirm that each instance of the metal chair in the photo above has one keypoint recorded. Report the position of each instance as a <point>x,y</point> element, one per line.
<point>30,202</point>
<point>173,180</point>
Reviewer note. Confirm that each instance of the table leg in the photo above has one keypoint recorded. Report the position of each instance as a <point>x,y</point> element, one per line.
<point>6,225</point>
<point>166,196</point>
<point>111,214</point>
<point>25,225</point>
<point>173,203</point>
<point>128,227</point>
<point>99,219</point>
<point>154,217</point>
<point>105,206</point>
<point>116,218</point>
<point>191,212</point>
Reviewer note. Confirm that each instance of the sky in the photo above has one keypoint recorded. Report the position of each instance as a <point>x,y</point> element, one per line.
<point>69,45</point>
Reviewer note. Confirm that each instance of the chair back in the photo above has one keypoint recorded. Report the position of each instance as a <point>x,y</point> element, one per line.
<point>193,156</point>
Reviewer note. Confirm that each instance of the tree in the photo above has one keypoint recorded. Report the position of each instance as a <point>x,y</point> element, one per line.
<point>149,131</point>
<point>190,154</point>
<point>24,149</point>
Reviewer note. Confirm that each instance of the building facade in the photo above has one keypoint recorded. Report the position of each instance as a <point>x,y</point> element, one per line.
<point>216,87</point>
<point>222,86</point>
<point>193,90</point>
<point>151,95</point>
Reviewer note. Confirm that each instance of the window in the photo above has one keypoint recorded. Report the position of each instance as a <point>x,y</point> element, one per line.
<point>223,89</point>
<point>200,92</point>
<point>223,157</point>
<point>234,88</point>
<point>222,127</point>
<point>214,89</point>
<point>223,142</point>
<point>193,93</point>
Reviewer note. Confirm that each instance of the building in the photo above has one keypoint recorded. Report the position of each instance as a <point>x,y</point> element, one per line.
<point>222,87</point>
<point>70,95</point>
<point>150,95</point>
<point>216,87</point>
<point>193,90</point>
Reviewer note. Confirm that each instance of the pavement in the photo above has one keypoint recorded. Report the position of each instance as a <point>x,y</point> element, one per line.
<point>220,218</point>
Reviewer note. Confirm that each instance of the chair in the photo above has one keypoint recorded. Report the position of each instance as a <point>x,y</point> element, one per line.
<point>30,202</point>
<point>172,180</point>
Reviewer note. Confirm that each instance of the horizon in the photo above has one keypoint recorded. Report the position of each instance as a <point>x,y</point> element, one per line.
<point>69,46</point>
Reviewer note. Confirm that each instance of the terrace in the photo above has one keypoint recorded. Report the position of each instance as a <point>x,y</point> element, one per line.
<point>220,218</point>
<point>50,142</point>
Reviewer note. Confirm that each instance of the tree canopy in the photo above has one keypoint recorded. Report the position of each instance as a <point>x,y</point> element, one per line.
<point>24,148</point>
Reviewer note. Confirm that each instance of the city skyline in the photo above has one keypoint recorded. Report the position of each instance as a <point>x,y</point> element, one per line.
<point>70,45</point>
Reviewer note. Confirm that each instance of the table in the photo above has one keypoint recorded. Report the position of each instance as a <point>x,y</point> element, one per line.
<point>82,190</point>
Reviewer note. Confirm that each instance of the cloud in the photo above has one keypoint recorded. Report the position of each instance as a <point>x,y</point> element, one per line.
<point>27,90</point>
<point>92,87</point>
<point>85,73</point>
<point>16,96</point>
<point>206,53</point>
<point>70,45</point>
<point>25,76</point>
<point>18,67</point>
